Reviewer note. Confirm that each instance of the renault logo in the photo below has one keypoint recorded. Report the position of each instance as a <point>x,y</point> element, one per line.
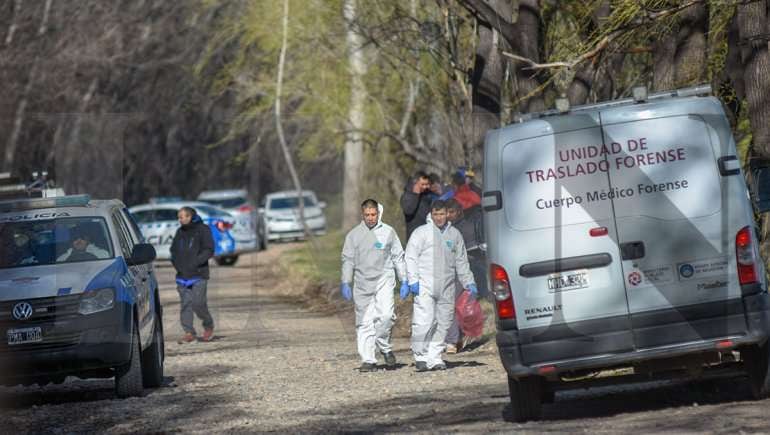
<point>22,311</point>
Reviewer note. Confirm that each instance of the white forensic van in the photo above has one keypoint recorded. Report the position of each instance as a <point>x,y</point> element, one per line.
<point>621,236</point>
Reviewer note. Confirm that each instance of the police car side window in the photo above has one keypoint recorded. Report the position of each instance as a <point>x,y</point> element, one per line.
<point>136,233</point>
<point>123,238</point>
<point>165,215</point>
<point>144,216</point>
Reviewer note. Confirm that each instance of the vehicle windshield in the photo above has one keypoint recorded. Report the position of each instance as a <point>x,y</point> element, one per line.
<point>54,241</point>
<point>226,202</point>
<point>290,202</point>
<point>211,211</point>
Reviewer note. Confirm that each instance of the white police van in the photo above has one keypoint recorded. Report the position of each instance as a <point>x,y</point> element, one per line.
<point>620,236</point>
<point>78,295</point>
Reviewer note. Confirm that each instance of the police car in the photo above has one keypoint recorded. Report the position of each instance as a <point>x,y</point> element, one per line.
<point>158,223</point>
<point>78,296</point>
<point>250,229</point>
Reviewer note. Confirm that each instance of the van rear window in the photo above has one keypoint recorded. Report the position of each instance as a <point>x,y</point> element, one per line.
<point>671,172</point>
<point>661,168</point>
<point>544,188</point>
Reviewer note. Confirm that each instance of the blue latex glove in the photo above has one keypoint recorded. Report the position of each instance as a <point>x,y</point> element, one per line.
<point>473,289</point>
<point>347,292</point>
<point>404,291</point>
<point>415,288</point>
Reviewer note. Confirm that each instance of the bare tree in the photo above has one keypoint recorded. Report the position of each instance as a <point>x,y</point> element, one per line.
<point>354,146</point>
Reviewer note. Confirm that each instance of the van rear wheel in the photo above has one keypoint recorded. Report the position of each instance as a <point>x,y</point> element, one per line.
<point>526,398</point>
<point>757,362</point>
<point>229,260</point>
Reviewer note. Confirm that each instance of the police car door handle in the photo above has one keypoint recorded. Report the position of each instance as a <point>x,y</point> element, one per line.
<point>632,250</point>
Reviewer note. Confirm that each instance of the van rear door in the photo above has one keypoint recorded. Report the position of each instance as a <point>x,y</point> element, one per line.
<point>558,249</point>
<point>673,231</point>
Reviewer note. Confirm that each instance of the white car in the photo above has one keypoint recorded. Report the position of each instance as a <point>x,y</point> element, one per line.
<point>159,223</point>
<point>281,211</point>
<point>249,229</point>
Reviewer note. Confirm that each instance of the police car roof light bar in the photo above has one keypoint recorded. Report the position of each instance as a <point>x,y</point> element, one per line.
<point>38,203</point>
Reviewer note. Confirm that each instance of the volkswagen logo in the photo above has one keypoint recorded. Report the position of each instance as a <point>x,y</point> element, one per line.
<point>22,311</point>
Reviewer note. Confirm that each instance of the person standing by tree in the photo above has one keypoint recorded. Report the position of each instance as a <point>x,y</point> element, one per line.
<point>191,249</point>
<point>415,202</point>
<point>372,256</point>
<point>470,226</point>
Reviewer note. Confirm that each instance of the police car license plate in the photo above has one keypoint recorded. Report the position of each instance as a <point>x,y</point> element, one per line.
<point>25,335</point>
<point>568,281</point>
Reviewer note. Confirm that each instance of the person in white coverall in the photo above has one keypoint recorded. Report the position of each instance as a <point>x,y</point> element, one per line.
<point>435,258</point>
<point>372,257</point>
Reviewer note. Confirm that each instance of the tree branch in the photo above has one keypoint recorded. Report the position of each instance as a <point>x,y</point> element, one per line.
<point>603,43</point>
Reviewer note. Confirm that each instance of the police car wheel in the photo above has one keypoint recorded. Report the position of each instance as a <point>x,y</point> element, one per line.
<point>128,377</point>
<point>229,260</point>
<point>152,359</point>
<point>757,362</point>
<point>526,398</point>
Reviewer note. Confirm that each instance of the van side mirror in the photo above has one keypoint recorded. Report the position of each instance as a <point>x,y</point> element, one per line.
<point>760,192</point>
<point>142,253</point>
<point>322,204</point>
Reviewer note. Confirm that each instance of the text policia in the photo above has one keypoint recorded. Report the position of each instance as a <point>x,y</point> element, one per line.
<point>606,157</point>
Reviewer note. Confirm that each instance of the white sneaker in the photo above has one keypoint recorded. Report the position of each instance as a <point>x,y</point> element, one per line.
<point>451,348</point>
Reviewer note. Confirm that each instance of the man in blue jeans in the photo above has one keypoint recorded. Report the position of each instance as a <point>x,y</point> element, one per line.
<point>191,249</point>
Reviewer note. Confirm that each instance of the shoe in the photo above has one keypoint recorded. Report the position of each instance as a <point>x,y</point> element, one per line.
<point>451,348</point>
<point>367,367</point>
<point>421,366</point>
<point>208,334</point>
<point>188,337</point>
<point>390,359</point>
<point>439,366</point>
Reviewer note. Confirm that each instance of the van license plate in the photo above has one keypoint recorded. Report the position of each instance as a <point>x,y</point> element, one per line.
<point>25,335</point>
<point>567,281</point>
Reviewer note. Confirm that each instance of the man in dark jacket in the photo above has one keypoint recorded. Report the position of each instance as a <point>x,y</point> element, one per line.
<point>469,223</point>
<point>415,202</point>
<point>191,249</point>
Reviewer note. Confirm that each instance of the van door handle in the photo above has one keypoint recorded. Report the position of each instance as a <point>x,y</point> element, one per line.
<point>632,250</point>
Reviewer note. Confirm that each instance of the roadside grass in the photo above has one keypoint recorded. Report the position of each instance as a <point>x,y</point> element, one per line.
<point>319,262</point>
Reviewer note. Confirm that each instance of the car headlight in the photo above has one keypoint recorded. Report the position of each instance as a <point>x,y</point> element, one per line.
<point>96,301</point>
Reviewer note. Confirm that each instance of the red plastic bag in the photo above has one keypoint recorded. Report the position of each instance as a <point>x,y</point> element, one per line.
<point>469,315</point>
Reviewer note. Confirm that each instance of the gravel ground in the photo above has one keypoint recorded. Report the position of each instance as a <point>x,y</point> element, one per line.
<point>277,365</point>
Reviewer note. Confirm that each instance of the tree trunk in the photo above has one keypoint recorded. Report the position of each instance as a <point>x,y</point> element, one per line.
<point>502,25</point>
<point>679,57</point>
<point>279,124</point>
<point>753,29</point>
<point>354,148</point>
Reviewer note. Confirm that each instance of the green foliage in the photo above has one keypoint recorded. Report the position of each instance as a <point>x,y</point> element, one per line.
<point>316,85</point>
<point>322,266</point>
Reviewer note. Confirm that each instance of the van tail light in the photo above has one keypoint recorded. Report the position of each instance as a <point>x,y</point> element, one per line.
<point>746,256</point>
<point>224,226</point>
<point>245,209</point>
<point>501,289</point>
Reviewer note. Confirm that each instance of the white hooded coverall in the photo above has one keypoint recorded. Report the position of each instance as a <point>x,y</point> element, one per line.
<point>371,259</point>
<point>435,259</point>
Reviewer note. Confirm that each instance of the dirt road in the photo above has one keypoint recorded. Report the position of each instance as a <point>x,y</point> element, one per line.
<point>277,366</point>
